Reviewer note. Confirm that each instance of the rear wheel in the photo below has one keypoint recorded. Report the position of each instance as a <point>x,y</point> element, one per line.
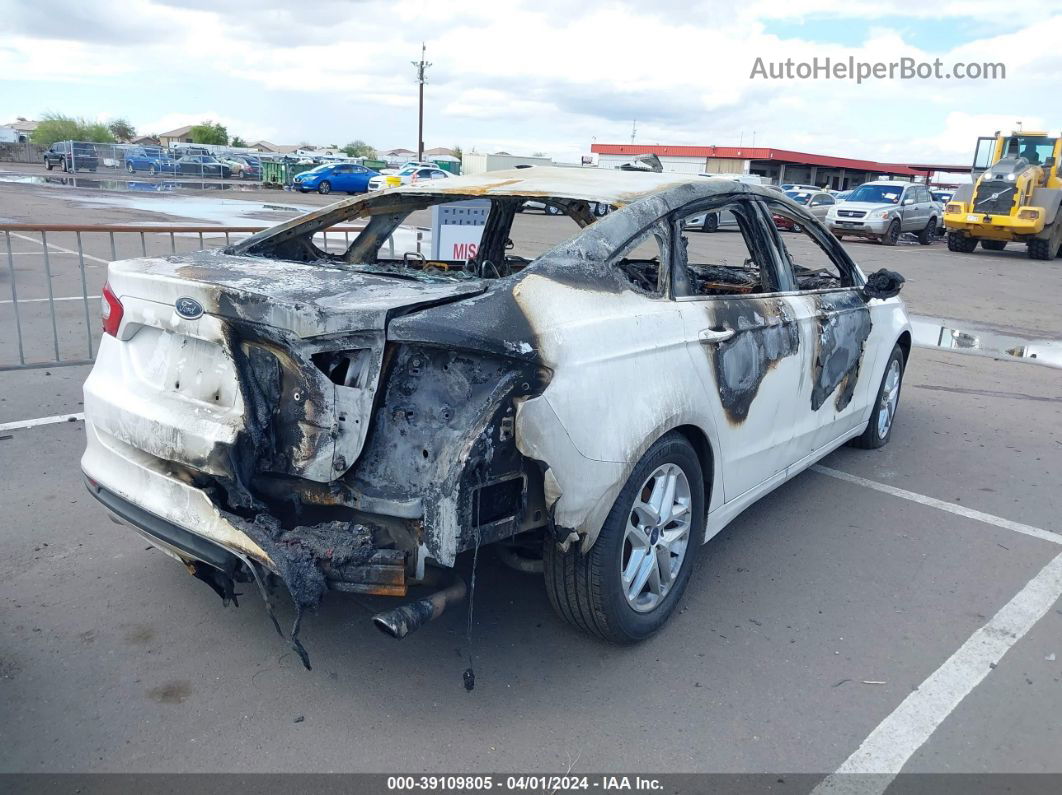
<point>925,237</point>
<point>324,188</point>
<point>892,234</point>
<point>879,429</point>
<point>711,222</point>
<point>993,245</point>
<point>62,164</point>
<point>961,243</point>
<point>626,587</point>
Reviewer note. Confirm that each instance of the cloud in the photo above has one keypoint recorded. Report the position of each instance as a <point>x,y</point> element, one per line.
<point>539,74</point>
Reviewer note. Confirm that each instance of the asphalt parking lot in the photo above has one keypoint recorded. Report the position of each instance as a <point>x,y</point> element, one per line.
<point>895,609</point>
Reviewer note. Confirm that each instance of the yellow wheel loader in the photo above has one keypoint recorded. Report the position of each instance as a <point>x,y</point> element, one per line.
<point>1015,198</point>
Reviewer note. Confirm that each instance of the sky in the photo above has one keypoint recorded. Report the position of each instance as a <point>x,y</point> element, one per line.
<point>546,76</point>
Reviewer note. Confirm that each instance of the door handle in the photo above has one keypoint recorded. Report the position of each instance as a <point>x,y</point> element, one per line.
<point>709,336</point>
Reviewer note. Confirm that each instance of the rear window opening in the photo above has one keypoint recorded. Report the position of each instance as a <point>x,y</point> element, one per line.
<point>476,237</point>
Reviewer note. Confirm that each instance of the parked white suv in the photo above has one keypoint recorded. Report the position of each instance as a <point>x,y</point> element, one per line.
<point>884,209</point>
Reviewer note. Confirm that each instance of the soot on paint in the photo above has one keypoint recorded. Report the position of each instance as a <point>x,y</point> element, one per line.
<point>844,325</point>
<point>766,332</point>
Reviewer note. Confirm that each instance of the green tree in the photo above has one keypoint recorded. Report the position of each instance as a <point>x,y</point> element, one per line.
<point>97,132</point>
<point>60,127</point>
<point>359,148</point>
<point>122,130</point>
<point>209,132</point>
<point>237,141</point>
<point>458,152</point>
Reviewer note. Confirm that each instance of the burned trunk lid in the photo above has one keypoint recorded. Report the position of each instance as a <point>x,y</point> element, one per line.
<point>306,300</point>
<point>298,349</point>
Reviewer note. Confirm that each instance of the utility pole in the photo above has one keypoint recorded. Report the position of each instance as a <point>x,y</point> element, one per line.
<point>634,130</point>
<point>421,66</point>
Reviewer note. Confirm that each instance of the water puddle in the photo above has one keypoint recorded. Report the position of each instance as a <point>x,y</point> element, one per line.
<point>129,185</point>
<point>965,337</point>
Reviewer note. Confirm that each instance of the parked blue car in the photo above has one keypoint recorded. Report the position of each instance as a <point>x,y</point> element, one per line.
<point>343,177</point>
<point>149,158</point>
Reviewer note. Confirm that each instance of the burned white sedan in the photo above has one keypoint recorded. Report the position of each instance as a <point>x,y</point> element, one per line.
<point>354,418</point>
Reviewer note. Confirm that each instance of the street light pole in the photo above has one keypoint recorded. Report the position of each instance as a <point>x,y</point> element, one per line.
<point>421,66</point>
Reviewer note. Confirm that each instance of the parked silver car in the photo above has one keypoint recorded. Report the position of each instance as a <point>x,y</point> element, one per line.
<point>883,210</point>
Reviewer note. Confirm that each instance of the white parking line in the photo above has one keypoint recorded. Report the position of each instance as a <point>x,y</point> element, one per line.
<point>20,424</point>
<point>887,749</point>
<point>933,502</point>
<point>45,300</point>
<point>59,248</point>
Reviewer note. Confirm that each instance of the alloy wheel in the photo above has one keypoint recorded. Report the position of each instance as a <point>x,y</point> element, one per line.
<point>656,538</point>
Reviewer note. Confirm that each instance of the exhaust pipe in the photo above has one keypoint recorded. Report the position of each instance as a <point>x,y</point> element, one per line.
<point>401,621</point>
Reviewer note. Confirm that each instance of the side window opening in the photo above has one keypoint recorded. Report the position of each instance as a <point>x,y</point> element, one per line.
<point>720,253</point>
<point>812,266</point>
<point>644,261</point>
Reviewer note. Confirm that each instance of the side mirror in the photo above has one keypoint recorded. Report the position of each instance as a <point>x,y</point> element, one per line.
<point>882,284</point>
<point>907,202</point>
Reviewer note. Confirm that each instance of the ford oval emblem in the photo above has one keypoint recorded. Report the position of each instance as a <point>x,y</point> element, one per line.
<point>188,308</point>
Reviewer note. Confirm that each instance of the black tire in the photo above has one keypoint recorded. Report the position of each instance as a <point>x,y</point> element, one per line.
<point>993,245</point>
<point>892,234</point>
<point>711,222</point>
<point>48,164</point>
<point>152,170</point>
<point>586,589</point>
<point>1040,249</point>
<point>839,236</point>
<point>551,210</point>
<point>129,167</point>
<point>872,438</point>
<point>325,187</point>
<point>62,165</point>
<point>961,243</point>
<point>927,235</point>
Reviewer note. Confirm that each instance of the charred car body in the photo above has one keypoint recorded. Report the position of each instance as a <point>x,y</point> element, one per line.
<point>338,420</point>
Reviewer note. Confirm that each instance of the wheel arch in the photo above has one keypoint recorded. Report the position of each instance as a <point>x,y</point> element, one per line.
<point>904,341</point>
<point>698,439</point>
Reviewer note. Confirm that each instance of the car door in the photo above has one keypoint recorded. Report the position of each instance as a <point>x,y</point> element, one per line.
<point>912,209</point>
<point>825,294</point>
<point>820,205</point>
<point>340,177</point>
<point>743,340</point>
<point>359,179</point>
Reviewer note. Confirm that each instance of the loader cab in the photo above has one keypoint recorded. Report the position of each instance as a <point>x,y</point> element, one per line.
<point>1035,147</point>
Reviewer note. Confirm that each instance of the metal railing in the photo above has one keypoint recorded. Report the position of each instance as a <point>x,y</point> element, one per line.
<point>55,271</point>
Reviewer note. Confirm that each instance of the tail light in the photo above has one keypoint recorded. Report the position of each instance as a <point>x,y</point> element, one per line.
<point>111,310</point>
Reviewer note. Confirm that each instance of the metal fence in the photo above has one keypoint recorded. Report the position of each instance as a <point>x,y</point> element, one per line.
<point>186,160</point>
<point>49,310</point>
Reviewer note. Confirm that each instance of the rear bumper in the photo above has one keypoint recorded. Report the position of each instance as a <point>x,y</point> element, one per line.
<point>159,499</point>
<point>170,537</point>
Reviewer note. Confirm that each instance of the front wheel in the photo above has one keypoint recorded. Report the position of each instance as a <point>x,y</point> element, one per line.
<point>961,243</point>
<point>879,429</point>
<point>627,585</point>
<point>711,223</point>
<point>48,164</point>
<point>129,167</point>
<point>892,234</point>
<point>324,188</point>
